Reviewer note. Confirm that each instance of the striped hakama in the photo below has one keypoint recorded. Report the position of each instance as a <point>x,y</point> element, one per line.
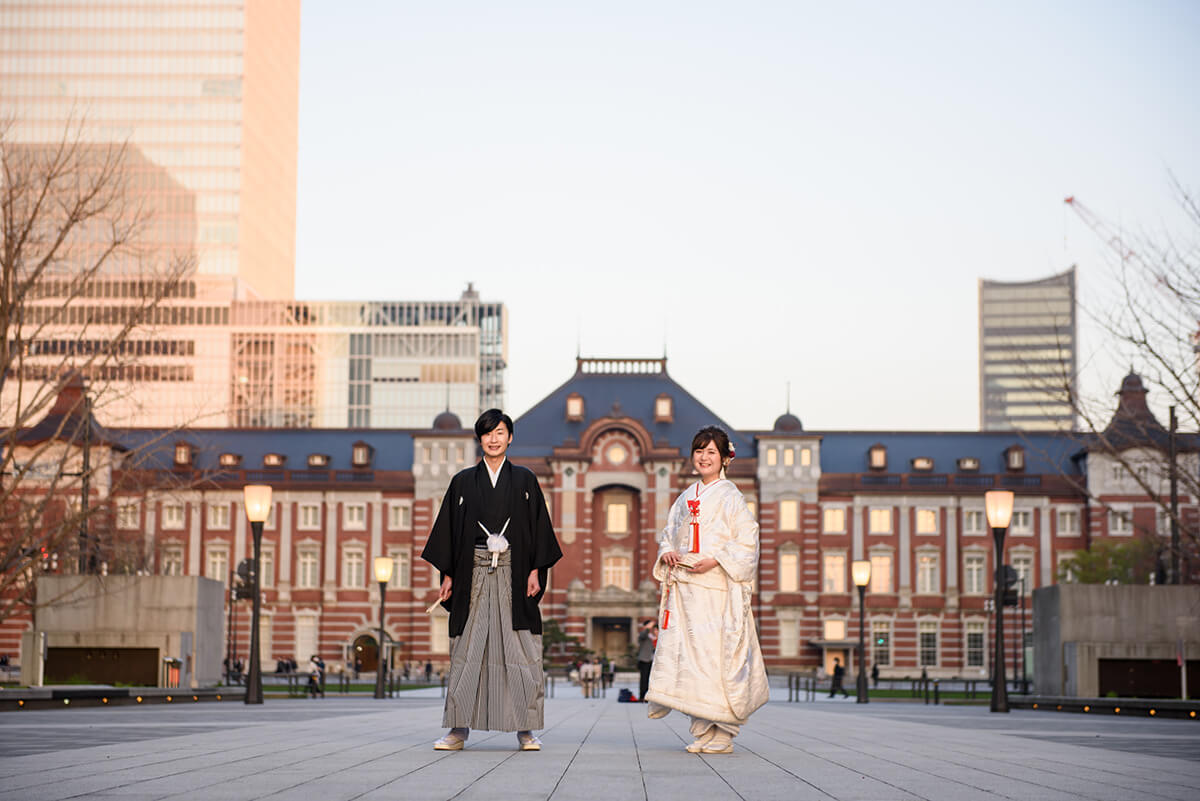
<point>496,681</point>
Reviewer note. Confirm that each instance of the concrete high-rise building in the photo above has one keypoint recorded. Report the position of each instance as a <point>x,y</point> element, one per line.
<point>204,95</point>
<point>370,364</point>
<point>207,91</point>
<point>1028,346</point>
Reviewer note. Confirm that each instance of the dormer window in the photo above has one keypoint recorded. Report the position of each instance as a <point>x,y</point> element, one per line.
<point>274,460</point>
<point>360,454</point>
<point>1014,458</point>
<point>664,409</point>
<point>968,464</point>
<point>922,464</point>
<point>574,407</point>
<point>230,459</point>
<point>318,460</point>
<point>877,457</point>
<point>183,454</point>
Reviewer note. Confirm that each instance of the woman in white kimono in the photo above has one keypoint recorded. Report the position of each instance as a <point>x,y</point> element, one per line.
<point>708,664</point>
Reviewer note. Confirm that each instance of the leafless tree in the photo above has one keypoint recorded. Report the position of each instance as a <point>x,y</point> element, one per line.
<point>84,279</point>
<point>1152,319</point>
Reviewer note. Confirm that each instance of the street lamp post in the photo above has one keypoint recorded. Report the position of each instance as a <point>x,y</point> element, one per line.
<point>860,569</point>
<point>999,512</point>
<point>384,565</point>
<point>258,509</point>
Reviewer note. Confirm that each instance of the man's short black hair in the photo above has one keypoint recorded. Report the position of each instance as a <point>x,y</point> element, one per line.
<point>489,420</point>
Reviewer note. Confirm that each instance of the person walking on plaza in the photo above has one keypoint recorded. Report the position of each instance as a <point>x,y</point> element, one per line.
<point>493,544</point>
<point>647,636</point>
<point>839,676</point>
<point>708,663</point>
<point>589,673</point>
<point>316,667</point>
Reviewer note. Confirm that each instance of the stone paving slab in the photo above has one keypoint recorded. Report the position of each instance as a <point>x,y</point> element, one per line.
<point>346,749</point>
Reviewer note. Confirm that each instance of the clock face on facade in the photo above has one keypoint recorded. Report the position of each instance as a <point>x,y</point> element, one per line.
<point>615,454</point>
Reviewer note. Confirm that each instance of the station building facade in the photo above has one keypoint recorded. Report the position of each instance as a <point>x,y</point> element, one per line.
<point>610,448</point>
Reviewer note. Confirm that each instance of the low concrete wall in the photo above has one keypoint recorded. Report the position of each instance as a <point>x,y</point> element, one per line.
<point>1077,625</point>
<point>180,616</point>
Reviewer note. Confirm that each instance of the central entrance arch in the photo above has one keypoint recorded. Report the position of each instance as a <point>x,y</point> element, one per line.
<point>364,654</point>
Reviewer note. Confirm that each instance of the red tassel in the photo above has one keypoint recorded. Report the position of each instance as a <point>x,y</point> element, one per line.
<point>695,538</point>
<point>666,619</point>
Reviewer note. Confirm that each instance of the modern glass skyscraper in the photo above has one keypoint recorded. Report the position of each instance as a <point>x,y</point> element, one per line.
<point>1028,345</point>
<point>205,91</point>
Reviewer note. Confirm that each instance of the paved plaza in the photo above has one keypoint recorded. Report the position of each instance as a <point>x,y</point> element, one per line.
<point>599,750</point>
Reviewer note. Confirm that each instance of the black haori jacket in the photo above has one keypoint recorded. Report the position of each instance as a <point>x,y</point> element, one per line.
<point>451,545</point>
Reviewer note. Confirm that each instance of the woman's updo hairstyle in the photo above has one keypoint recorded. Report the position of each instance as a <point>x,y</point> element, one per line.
<point>717,436</point>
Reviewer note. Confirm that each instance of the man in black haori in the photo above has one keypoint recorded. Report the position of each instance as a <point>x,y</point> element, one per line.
<point>493,544</point>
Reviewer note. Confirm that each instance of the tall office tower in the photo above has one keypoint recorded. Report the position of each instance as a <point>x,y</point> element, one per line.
<point>1028,343</point>
<point>374,364</point>
<point>207,91</point>
<point>204,98</point>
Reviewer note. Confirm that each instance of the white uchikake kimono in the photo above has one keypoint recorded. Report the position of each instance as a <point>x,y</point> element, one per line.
<point>708,663</point>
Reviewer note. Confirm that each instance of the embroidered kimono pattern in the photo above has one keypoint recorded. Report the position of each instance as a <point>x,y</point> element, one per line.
<point>708,663</point>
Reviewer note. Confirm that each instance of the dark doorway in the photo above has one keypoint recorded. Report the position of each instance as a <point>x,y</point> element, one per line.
<point>138,666</point>
<point>1146,678</point>
<point>366,654</point>
<point>610,638</point>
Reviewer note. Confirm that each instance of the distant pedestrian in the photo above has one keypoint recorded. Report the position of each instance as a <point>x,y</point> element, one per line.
<point>647,639</point>
<point>874,675</point>
<point>589,673</point>
<point>315,667</point>
<point>428,672</point>
<point>839,675</point>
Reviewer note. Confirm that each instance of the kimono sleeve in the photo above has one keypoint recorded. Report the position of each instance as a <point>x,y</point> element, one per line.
<point>666,537</point>
<point>439,548</point>
<point>546,550</point>
<point>739,555</point>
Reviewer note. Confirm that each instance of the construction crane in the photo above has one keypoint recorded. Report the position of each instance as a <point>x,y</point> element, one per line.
<point>1100,228</point>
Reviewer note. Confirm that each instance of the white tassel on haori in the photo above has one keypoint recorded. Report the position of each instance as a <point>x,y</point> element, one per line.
<point>496,543</point>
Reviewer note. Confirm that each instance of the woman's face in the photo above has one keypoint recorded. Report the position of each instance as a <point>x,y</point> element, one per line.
<point>707,461</point>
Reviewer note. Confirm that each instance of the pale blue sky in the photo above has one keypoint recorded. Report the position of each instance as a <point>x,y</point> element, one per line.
<point>785,191</point>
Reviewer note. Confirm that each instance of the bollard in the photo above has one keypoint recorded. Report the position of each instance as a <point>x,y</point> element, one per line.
<point>937,697</point>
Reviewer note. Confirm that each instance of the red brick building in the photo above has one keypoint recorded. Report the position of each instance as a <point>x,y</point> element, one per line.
<point>610,447</point>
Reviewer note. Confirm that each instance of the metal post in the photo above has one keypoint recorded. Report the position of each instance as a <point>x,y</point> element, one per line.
<point>999,688</point>
<point>862,647</point>
<point>1173,477</point>
<point>87,556</point>
<point>379,668</point>
<point>229,634</point>
<point>1024,667</point>
<point>254,690</point>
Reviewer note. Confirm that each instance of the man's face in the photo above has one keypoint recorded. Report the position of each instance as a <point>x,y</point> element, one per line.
<point>496,441</point>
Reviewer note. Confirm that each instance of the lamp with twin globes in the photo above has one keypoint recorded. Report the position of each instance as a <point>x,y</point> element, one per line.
<point>860,570</point>
<point>384,566</point>
<point>999,505</point>
<point>258,509</point>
